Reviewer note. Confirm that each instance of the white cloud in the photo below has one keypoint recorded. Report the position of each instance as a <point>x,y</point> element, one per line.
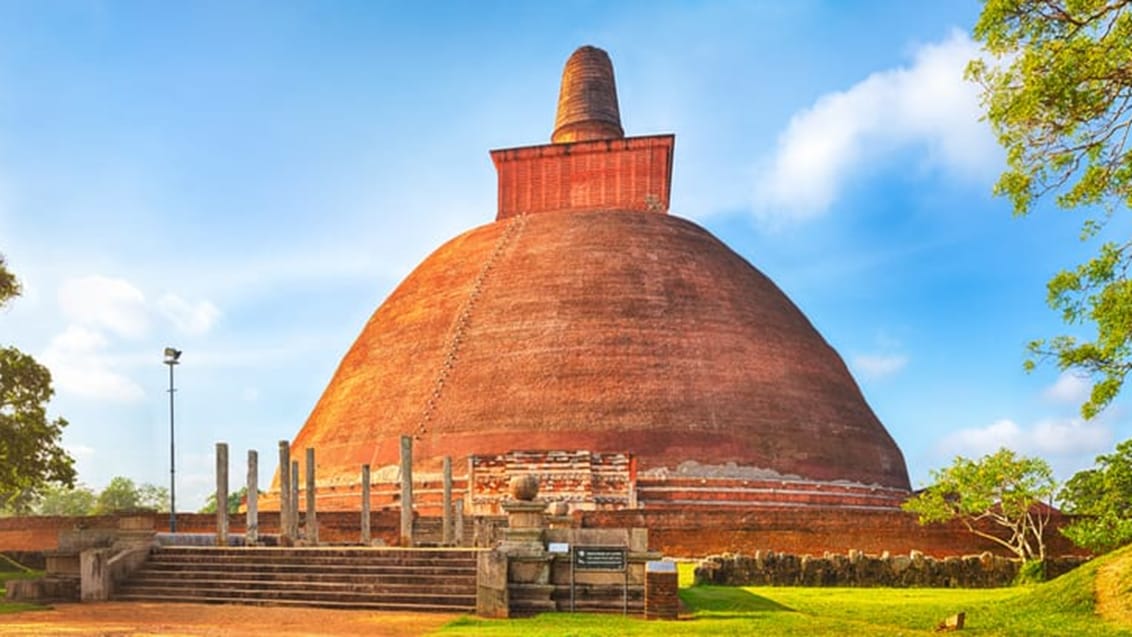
<point>879,366</point>
<point>80,452</point>
<point>79,365</point>
<point>103,302</point>
<point>1070,388</point>
<point>1053,437</point>
<point>927,105</point>
<point>188,317</point>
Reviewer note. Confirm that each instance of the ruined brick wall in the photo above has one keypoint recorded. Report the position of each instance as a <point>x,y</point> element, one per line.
<point>582,479</point>
<point>42,533</point>
<point>690,533</point>
<point>814,531</point>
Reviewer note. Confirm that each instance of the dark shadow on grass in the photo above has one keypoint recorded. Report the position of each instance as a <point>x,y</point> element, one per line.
<point>728,601</point>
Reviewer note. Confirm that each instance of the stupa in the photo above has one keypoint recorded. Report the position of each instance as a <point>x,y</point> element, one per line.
<point>625,355</point>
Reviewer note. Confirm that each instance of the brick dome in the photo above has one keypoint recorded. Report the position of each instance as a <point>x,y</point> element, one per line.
<point>587,325</point>
<point>608,331</point>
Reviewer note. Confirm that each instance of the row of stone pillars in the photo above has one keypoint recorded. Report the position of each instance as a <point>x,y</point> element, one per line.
<point>453,525</point>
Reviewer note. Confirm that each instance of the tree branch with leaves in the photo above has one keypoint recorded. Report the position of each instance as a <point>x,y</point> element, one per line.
<point>31,457</point>
<point>1000,490</point>
<point>1057,90</point>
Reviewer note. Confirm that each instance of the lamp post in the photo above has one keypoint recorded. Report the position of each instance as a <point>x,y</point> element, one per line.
<point>172,356</point>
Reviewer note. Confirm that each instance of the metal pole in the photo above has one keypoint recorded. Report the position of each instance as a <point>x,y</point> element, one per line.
<point>172,459</point>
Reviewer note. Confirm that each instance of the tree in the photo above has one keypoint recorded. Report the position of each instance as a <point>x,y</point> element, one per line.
<point>1008,491</point>
<point>1103,497</point>
<point>31,457</point>
<point>122,494</point>
<point>235,499</point>
<point>153,497</point>
<point>1058,94</point>
<point>63,501</point>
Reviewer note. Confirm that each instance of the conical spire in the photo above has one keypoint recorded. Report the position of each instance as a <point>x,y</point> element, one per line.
<point>587,101</point>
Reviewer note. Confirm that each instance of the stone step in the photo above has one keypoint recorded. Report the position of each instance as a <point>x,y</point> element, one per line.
<point>344,605</point>
<point>464,578</point>
<point>441,580</point>
<point>444,585</point>
<point>345,561</point>
<point>344,567</point>
<point>315,552</point>
<point>225,588</point>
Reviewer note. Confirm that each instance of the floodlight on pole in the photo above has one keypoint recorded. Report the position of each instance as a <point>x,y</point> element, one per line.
<point>172,357</point>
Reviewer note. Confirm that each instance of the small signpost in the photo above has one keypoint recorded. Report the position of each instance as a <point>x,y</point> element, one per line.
<point>601,558</point>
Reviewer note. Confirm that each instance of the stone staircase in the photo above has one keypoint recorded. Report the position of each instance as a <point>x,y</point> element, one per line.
<point>428,580</point>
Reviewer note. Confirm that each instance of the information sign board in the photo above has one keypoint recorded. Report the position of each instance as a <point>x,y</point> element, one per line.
<point>600,558</point>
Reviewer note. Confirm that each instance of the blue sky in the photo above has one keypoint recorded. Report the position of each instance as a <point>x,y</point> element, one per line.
<point>248,181</point>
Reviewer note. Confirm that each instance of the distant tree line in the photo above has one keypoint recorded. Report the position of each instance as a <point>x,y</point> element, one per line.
<point>121,494</point>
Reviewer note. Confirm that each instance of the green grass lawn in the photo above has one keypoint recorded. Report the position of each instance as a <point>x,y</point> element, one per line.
<point>12,570</point>
<point>1064,606</point>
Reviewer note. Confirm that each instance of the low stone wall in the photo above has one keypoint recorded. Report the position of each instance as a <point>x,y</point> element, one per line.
<point>47,533</point>
<point>767,568</point>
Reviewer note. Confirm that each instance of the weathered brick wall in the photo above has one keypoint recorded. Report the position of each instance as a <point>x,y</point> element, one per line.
<point>611,174</point>
<point>42,533</point>
<point>661,600</point>
<point>585,480</point>
<point>686,533</point>
<point>697,533</point>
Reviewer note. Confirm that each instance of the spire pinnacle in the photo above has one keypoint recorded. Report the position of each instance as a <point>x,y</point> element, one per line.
<point>587,101</point>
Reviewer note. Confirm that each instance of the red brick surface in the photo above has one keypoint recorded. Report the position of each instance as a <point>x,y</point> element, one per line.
<point>632,174</point>
<point>605,331</point>
<point>42,533</point>
<point>687,533</point>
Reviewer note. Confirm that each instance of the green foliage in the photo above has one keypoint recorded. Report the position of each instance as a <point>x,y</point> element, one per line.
<point>1103,496</point>
<point>30,455</point>
<point>123,495</point>
<point>1001,488</point>
<point>1030,572</point>
<point>9,285</point>
<point>1059,96</point>
<point>64,501</point>
<point>234,500</point>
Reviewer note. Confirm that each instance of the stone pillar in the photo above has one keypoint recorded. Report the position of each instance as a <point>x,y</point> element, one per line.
<point>251,534</point>
<point>492,595</point>
<point>221,494</point>
<point>661,587</point>
<point>312,519</point>
<point>446,515</point>
<point>95,581</point>
<point>294,530</point>
<point>285,512</point>
<point>458,532</point>
<point>406,491</point>
<point>528,563</point>
<point>366,539</point>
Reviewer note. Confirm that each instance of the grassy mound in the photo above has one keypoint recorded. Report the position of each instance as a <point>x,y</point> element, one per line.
<point>1094,599</point>
<point>1114,587</point>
